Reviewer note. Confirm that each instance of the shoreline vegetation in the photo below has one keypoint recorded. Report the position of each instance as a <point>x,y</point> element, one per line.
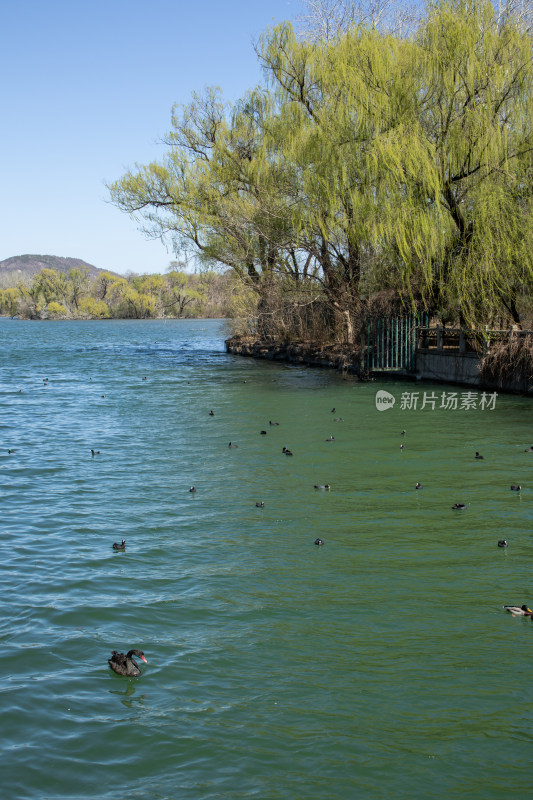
<point>381,158</point>
<point>74,294</point>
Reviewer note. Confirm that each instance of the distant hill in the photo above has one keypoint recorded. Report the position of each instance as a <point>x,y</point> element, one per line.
<point>19,269</point>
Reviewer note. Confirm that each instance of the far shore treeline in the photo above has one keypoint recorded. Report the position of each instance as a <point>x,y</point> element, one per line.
<point>54,294</point>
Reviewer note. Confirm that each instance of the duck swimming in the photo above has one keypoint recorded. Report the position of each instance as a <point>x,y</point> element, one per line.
<point>331,439</point>
<point>519,611</point>
<point>459,506</point>
<point>192,489</point>
<point>502,542</point>
<point>121,546</point>
<point>319,542</point>
<point>273,423</point>
<point>325,486</point>
<point>287,451</point>
<point>124,664</point>
<point>418,486</point>
<point>515,488</point>
<point>232,445</point>
<point>478,455</point>
<point>261,504</point>
<point>95,452</point>
<point>211,413</point>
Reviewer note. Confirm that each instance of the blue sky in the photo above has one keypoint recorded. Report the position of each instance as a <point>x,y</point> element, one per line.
<point>87,91</point>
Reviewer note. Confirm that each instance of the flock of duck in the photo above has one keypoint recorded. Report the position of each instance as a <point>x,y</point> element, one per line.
<point>124,663</point>
<point>516,611</point>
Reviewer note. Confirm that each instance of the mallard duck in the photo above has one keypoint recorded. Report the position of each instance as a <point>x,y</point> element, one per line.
<point>124,664</point>
<point>121,546</point>
<point>519,611</point>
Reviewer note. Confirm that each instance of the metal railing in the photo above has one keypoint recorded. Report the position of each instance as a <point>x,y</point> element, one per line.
<point>460,340</point>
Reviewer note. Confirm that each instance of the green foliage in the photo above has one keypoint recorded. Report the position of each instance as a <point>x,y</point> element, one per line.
<point>91,308</point>
<point>56,310</point>
<point>369,162</point>
<point>9,302</point>
<point>54,295</point>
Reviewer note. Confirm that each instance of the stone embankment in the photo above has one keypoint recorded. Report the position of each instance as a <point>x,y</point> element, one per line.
<point>312,354</point>
<point>437,365</point>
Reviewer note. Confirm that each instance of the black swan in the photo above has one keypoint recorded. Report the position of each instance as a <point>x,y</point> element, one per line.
<point>124,664</point>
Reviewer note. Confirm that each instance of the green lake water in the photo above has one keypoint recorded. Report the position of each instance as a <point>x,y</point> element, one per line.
<point>380,665</point>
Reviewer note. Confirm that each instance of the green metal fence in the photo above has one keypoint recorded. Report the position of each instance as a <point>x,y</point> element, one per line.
<point>389,343</point>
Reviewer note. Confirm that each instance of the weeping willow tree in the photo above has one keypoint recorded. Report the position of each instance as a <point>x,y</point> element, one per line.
<point>476,119</point>
<point>220,194</point>
<point>344,109</point>
<point>420,151</point>
<point>370,160</point>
